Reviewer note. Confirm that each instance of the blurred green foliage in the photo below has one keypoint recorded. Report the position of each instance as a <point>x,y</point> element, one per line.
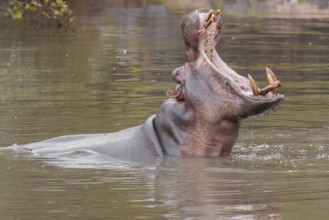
<point>41,13</point>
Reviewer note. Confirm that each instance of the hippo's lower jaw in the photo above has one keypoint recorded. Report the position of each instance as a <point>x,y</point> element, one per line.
<point>255,101</point>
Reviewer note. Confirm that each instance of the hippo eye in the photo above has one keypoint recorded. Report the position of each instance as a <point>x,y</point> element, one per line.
<point>177,73</point>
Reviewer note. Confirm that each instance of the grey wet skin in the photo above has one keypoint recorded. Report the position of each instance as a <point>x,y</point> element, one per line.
<point>203,115</point>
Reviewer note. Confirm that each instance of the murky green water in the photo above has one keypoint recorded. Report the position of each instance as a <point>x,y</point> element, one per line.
<point>113,71</point>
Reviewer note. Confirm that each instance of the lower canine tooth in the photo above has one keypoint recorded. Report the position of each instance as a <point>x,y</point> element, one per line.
<point>270,75</point>
<point>272,79</point>
<point>270,88</point>
<point>253,85</point>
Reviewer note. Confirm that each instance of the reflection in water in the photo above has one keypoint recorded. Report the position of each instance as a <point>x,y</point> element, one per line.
<point>113,71</point>
<point>171,188</point>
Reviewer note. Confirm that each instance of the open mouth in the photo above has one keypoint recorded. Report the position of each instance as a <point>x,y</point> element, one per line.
<point>202,38</point>
<point>209,34</point>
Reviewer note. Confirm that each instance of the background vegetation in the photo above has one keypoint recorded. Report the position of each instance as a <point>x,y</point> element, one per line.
<point>40,13</point>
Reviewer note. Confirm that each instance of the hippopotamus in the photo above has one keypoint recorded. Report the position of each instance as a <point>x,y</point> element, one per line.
<point>201,116</point>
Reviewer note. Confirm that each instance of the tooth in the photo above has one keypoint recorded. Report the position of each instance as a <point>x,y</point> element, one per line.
<point>276,84</point>
<point>217,14</point>
<point>270,88</point>
<point>207,24</point>
<point>270,75</point>
<point>209,15</point>
<point>272,79</point>
<point>253,85</point>
<point>201,30</point>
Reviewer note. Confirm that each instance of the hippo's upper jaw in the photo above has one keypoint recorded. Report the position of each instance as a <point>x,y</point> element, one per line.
<point>210,99</point>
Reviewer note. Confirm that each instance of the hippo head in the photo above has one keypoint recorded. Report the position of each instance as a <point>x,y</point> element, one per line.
<point>209,84</point>
<point>210,100</point>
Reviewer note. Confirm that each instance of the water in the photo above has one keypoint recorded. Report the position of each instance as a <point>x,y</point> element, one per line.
<point>113,71</point>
